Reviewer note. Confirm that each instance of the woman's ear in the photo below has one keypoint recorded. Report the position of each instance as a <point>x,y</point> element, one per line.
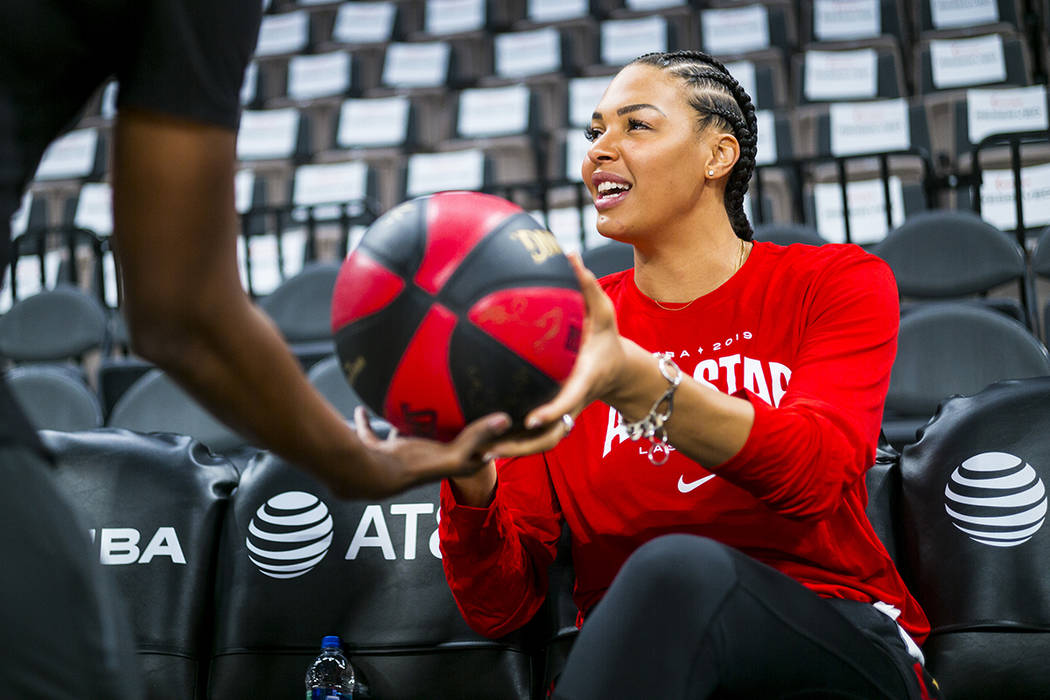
<point>725,151</point>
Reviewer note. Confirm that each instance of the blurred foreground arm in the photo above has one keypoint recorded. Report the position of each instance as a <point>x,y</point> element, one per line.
<point>175,231</point>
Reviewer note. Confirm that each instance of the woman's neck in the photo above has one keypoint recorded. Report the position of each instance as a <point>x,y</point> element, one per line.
<point>689,265</point>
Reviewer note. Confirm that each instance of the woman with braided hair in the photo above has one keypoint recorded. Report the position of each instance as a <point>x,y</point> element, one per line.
<point>708,452</point>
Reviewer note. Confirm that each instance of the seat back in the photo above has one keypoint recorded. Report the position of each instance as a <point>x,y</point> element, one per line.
<point>952,254</point>
<point>951,348</point>
<point>55,324</point>
<point>155,403</point>
<point>608,258</point>
<point>155,507</point>
<point>972,543</point>
<point>55,397</point>
<point>302,309</point>
<point>296,564</point>
<point>786,234</point>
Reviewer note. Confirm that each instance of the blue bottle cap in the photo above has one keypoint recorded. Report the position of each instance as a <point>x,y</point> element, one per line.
<point>331,640</point>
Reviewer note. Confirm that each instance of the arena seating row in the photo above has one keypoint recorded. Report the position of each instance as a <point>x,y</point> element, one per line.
<point>402,97</point>
<point>231,576</point>
<point>970,316</point>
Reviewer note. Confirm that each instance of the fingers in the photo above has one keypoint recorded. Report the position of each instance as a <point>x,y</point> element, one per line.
<point>542,441</point>
<point>572,396</point>
<point>592,291</point>
<point>364,428</point>
<point>480,433</point>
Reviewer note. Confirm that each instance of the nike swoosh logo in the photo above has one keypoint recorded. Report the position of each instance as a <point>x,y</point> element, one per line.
<point>687,486</point>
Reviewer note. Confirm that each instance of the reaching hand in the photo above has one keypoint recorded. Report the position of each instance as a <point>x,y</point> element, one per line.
<point>595,373</point>
<point>402,462</point>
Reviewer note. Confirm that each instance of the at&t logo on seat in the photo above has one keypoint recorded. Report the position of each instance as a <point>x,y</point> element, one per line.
<point>290,534</point>
<point>997,499</point>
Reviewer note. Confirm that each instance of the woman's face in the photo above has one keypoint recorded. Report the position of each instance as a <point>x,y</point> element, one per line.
<point>645,167</point>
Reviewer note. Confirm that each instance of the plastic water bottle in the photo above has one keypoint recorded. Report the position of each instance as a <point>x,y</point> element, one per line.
<point>330,674</point>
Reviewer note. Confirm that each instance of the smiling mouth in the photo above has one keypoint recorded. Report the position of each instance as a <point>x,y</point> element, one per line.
<point>610,194</point>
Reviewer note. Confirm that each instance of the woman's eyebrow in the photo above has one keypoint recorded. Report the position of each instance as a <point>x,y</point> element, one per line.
<point>627,109</point>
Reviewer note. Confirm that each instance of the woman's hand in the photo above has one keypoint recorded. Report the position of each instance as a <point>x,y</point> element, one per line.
<point>401,462</point>
<point>596,373</point>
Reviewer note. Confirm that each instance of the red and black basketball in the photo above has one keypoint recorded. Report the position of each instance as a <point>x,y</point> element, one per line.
<point>456,305</point>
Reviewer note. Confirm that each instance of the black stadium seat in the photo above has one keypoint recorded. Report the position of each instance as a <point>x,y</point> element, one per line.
<point>302,309</point>
<point>973,543</point>
<point>55,397</point>
<point>955,254</point>
<point>947,348</point>
<point>365,571</point>
<point>609,257</point>
<point>56,324</point>
<point>155,403</point>
<point>786,234</point>
<point>154,507</point>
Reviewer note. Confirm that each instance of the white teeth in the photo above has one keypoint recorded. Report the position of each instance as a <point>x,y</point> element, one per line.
<point>608,186</point>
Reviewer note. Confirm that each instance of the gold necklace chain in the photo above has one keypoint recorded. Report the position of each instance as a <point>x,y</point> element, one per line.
<point>739,263</point>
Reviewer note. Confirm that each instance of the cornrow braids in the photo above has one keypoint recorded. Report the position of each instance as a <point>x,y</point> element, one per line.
<point>721,102</point>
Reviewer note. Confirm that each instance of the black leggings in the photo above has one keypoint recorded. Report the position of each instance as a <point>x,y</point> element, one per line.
<point>688,617</point>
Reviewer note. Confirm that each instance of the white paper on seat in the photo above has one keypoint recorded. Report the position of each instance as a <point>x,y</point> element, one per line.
<point>998,204</point>
<point>108,108</point>
<point>576,148</point>
<point>840,75</point>
<point>867,210</point>
<point>330,183</point>
<point>869,127</point>
<point>319,75</point>
<point>250,85</point>
<point>455,170</point>
<point>95,208</point>
<point>70,156</point>
<point>638,5</point>
<point>1005,110</point>
<point>109,277</point>
<point>520,54</point>
<point>364,22</point>
<point>243,190</point>
<point>975,61</point>
<point>735,29</point>
<point>365,123</point>
<point>285,33</point>
<point>266,272</point>
<point>564,223</point>
<point>842,20</point>
<point>584,95</point>
<point>416,65</point>
<point>20,219</point>
<point>5,291</point>
<point>623,40</point>
<point>948,14</point>
<point>489,112</point>
<point>270,133</point>
<point>767,138</point>
<point>744,73</point>
<point>27,272</point>
<point>555,10</point>
<point>452,16</point>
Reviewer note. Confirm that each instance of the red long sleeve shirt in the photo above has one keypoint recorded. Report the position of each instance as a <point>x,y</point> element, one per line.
<point>808,336</point>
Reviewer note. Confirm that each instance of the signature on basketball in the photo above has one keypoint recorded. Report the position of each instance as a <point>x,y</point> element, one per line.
<point>540,244</point>
<point>549,324</point>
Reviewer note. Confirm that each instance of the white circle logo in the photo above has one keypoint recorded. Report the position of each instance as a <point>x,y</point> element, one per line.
<point>997,499</point>
<point>289,535</point>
